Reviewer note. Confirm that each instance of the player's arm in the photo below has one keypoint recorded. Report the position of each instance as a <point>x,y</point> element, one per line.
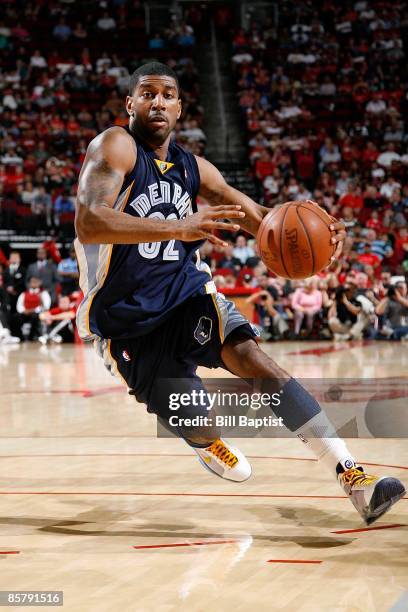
<point>216,190</point>
<point>109,158</point>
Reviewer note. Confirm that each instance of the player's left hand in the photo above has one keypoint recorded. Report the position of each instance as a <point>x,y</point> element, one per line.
<point>339,230</point>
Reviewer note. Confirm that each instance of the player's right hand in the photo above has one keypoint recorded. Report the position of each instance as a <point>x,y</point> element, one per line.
<point>202,224</point>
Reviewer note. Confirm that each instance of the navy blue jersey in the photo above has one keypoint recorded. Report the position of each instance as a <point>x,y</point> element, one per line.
<point>129,290</point>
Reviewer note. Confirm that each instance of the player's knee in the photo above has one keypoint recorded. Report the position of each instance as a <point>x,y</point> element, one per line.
<point>244,349</point>
<point>250,359</point>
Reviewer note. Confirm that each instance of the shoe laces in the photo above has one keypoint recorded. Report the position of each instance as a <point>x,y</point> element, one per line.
<point>356,476</point>
<point>222,452</point>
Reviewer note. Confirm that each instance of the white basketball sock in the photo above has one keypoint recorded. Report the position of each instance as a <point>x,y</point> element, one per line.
<point>322,440</point>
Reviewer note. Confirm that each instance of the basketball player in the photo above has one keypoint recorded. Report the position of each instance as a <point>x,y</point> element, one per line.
<point>154,314</point>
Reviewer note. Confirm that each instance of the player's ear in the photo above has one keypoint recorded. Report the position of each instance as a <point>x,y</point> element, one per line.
<point>179,109</point>
<point>129,106</point>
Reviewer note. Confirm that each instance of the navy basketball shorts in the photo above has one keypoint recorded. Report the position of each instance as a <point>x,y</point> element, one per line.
<point>193,336</point>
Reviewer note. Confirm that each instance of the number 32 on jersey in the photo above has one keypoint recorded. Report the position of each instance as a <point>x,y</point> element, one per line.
<point>150,250</point>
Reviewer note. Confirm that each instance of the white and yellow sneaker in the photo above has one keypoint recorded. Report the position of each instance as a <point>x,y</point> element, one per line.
<point>372,496</point>
<point>224,460</point>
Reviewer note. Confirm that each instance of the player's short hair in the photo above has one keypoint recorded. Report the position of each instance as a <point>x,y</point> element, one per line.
<point>150,68</point>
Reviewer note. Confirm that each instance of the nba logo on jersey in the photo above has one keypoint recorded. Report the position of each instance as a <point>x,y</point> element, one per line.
<point>202,332</point>
<point>126,356</point>
<point>163,166</point>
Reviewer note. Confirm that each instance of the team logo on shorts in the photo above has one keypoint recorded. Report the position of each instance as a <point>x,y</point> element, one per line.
<point>126,356</point>
<point>203,330</point>
<point>255,330</point>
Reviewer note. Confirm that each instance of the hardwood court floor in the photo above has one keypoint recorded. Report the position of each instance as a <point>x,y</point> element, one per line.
<point>92,503</point>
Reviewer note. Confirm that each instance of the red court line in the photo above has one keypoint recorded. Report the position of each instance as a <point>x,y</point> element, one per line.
<point>148,494</point>
<point>145,494</point>
<point>9,552</point>
<point>292,561</point>
<point>83,392</point>
<point>369,528</point>
<point>318,351</point>
<point>400,467</point>
<point>186,544</point>
<point>75,437</point>
<point>99,455</point>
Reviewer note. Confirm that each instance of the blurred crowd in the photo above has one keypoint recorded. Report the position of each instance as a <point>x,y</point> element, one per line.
<point>323,97</point>
<point>350,300</point>
<point>39,302</point>
<point>63,79</point>
<point>324,100</point>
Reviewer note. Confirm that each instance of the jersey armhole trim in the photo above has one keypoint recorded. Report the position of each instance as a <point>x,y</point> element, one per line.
<point>220,327</point>
<point>101,283</point>
<point>195,165</point>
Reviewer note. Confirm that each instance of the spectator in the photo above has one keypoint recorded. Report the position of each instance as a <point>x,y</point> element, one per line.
<point>394,309</point>
<point>367,257</point>
<point>376,106</point>
<point>185,37</point>
<point>329,153</point>
<point>229,260</point>
<point>381,247</point>
<point>41,208</point>
<point>347,319</point>
<point>264,166</point>
<point>63,204</point>
<point>79,32</point>
<point>192,131</point>
<point>106,22</point>
<point>62,31</point>
<point>157,42</point>
<point>37,60</point>
<point>306,302</point>
<point>14,279</point>
<point>45,271</point>
<point>30,304</point>
<point>401,245</point>
<point>271,321</point>
<point>388,187</point>
<point>59,322</point>
<point>352,198</point>
<point>305,165</point>
<point>388,157</point>
<point>374,222</point>
<point>242,251</point>
<point>68,273</point>
<point>5,334</point>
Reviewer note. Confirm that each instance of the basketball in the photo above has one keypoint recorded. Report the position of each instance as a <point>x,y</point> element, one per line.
<point>294,240</point>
